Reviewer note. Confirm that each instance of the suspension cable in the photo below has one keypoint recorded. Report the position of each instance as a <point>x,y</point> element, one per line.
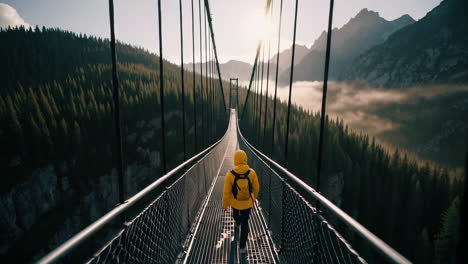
<point>324,94</point>
<point>161,92</point>
<point>207,108</point>
<point>194,81</point>
<point>209,92</point>
<point>255,101</point>
<point>270,3</point>
<point>237,94</point>
<point>182,77</point>
<point>252,75</point>
<point>210,24</point>
<point>230,92</point>
<point>261,95</point>
<point>116,97</point>
<point>290,88</point>
<point>202,100</point>
<point>213,94</point>
<point>276,79</point>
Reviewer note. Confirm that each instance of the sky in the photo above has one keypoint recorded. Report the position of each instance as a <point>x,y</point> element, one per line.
<point>238,24</point>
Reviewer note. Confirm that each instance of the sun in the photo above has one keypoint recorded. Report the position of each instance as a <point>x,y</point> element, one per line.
<point>259,27</point>
<point>265,27</point>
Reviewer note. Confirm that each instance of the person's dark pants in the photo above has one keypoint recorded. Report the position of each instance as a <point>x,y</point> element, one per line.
<point>241,217</point>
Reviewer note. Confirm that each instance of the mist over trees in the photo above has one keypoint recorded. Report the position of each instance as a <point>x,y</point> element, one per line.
<point>412,207</point>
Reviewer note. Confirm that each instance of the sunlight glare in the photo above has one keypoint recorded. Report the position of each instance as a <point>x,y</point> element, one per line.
<point>260,27</point>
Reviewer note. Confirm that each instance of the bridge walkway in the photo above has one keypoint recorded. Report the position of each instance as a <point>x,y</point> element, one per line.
<point>213,235</point>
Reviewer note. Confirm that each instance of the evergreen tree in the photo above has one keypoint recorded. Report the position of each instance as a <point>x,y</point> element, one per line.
<point>446,240</point>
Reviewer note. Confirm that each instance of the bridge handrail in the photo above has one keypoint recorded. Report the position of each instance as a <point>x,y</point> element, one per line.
<point>87,232</point>
<point>381,247</point>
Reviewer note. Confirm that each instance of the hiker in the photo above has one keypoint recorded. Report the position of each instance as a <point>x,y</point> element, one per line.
<point>240,192</point>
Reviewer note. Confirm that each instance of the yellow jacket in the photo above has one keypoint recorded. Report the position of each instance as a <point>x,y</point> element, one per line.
<point>245,200</point>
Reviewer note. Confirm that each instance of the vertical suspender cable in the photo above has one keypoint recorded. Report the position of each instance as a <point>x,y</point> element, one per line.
<point>194,81</point>
<point>212,126</point>
<point>201,76</point>
<point>230,92</point>
<point>194,100</point>
<point>237,94</point>
<point>208,88</point>
<point>254,111</point>
<point>210,23</point>
<point>290,88</point>
<point>267,81</point>
<point>207,124</point>
<point>266,98</point>
<point>257,88</point>
<point>252,75</point>
<point>276,80</point>
<point>213,95</point>
<point>324,94</point>
<point>116,97</point>
<point>210,103</point>
<point>261,97</point>
<point>182,77</point>
<point>161,92</point>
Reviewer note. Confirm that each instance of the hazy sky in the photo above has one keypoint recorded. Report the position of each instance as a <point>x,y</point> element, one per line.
<point>238,24</point>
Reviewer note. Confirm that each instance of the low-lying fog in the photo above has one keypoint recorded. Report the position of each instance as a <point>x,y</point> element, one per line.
<point>431,121</point>
<point>356,102</point>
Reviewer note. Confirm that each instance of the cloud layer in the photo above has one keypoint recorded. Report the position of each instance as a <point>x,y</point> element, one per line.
<point>360,105</point>
<point>10,17</point>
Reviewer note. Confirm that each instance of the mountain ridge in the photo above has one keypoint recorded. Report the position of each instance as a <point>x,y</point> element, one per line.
<point>432,50</point>
<point>360,33</point>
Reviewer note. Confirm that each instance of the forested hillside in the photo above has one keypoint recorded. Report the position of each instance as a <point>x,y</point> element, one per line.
<point>57,158</point>
<point>414,208</point>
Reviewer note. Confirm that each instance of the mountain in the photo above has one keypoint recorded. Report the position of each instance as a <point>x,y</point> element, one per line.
<point>230,69</point>
<point>243,70</point>
<point>236,69</point>
<point>362,32</point>
<point>432,50</point>
<point>285,57</point>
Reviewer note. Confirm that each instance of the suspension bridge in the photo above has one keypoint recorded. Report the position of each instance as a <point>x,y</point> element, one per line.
<point>179,219</point>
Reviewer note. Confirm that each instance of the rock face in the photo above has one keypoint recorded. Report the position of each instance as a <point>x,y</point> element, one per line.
<point>285,57</point>
<point>362,32</point>
<point>47,198</point>
<point>27,203</point>
<point>432,50</point>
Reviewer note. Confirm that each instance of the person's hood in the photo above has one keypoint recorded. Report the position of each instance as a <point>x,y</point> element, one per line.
<point>240,162</point>
<point>240,158</point>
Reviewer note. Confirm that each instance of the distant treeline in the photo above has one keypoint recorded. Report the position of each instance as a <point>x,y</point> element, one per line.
<point>56,109</point>
<point>414,208</point>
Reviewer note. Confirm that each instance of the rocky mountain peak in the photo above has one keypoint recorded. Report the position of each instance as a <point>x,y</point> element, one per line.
<point>366,13</point>
<point>403,20</point>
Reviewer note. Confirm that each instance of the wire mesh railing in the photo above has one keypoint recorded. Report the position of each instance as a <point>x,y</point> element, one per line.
<point>158,231</point>
<point>301,233</point>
